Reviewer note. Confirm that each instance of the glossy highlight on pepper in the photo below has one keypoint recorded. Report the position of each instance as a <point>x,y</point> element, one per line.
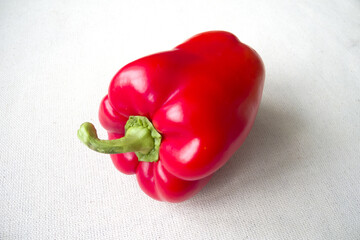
<point>175,117</point>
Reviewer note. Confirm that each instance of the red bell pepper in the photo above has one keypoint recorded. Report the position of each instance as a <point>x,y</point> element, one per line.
<point>175,117</point>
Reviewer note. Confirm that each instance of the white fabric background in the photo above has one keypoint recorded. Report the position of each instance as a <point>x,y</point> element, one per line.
<point>296,176</point>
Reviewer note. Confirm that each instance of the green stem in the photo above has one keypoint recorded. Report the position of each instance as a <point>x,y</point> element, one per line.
<point>140,137</point>
<point>137,139</point>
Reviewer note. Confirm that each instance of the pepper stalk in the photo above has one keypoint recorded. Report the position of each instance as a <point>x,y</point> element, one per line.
<point>140,137</point>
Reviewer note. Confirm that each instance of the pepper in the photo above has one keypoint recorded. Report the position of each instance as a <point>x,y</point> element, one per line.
<point>176,117</point>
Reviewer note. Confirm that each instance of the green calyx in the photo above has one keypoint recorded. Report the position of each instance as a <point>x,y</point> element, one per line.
<point>140,137</point>
<point>142,122</point>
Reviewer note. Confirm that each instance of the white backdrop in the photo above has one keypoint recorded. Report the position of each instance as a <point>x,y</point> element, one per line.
<point>296,176</point>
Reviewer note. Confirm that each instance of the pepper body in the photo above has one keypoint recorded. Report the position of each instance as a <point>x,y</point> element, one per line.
<point>202,97</point>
